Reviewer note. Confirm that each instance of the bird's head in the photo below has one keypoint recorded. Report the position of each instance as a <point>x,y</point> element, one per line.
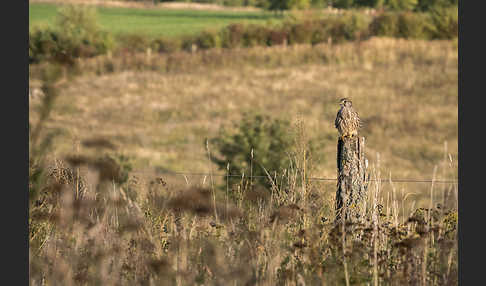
<point>345,102</point>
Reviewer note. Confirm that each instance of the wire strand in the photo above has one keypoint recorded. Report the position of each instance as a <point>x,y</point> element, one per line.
<point>310,179</point>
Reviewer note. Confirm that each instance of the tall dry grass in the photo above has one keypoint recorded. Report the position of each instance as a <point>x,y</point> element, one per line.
<point>161,109</point>
<point>90,223</point>
<point>146,231</point>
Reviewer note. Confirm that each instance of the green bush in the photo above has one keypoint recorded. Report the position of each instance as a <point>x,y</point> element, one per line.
<point>427,5</point>
<point>133,43</point>
<point>43,44</point>
<point>319,3</point>
<point>208,40</point>
<point>232,36</point>
<point>322,32</point>
<point>80,32</point>
<point>162,45</point>
<point>444,22</point>
<point>385,24</point>
<point>439,23</point>
<point>269,139</point>
<point>187,42</point>
<point>299,4</point>
<point>413,25</point>
<point>352,26</point>
<point>343,4</point>
<point>401,5</point>
<point>78,20</point>
<point>278,5</point>
<point>300,33</point>
<point>277,37</point>
<point>233,3</point>
<point>77,34</point>
<point>255,35</point>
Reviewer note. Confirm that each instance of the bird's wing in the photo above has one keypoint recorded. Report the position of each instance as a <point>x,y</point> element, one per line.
<point>337,122</point>
<point>358,120</point>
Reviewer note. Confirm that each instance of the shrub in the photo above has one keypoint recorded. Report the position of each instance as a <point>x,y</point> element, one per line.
<point>322,32</point>
<point>277,37</point>
<point>255,35</point>
<point>337,31</point>
<point>78,20</point>
<point>42,44</point>
<point>400,5</point>
<point>299,4</point>
<point>385,24</point>
<point>133,43</point>
<point>319,3</point>
<point>268,138</point>
<point>300,33</point>
<point>233,3</point>
<point>427,5</point>
<point>188,42</point>
<point>162,45</point>
<point>232,35</point>
<point>343,4</point>
<point>81,33</point>
<point>354,26</point>
<point>412,25</point>
<point>208,40</point>
<point>278,5</point>
<point>444,22</point>
<point>77,34</point>
<point>351,26</point>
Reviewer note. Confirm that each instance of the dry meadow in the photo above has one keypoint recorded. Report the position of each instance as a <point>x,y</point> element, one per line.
<point>160,228</point>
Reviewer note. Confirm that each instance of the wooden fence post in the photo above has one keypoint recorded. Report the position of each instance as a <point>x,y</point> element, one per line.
<point>353,178</point>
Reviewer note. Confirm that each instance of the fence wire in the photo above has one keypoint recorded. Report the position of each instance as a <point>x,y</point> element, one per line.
<point>310,179</point>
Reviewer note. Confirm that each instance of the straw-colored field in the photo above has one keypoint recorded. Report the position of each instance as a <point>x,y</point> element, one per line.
<point>405,92</point>
<point>85,228</point>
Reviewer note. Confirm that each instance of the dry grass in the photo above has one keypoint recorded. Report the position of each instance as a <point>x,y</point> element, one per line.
<point>161,112</point>
<point>149,232</point>
<point>88,229</point>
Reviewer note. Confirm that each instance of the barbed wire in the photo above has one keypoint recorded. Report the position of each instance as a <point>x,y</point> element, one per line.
<point>310,179</point>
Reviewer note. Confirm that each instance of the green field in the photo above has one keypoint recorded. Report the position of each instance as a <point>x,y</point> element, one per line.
<point>154,22</point>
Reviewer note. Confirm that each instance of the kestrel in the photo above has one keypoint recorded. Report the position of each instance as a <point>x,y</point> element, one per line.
<point>347,120</point>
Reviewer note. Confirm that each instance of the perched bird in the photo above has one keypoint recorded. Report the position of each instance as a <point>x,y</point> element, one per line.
<point>347,120</point>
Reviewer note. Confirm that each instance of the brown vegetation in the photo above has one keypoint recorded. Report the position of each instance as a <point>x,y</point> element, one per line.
<point>86,228</point>
<point>160,109</point>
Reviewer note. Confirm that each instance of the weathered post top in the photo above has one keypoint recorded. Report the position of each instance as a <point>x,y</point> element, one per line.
<point>352,178</point>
